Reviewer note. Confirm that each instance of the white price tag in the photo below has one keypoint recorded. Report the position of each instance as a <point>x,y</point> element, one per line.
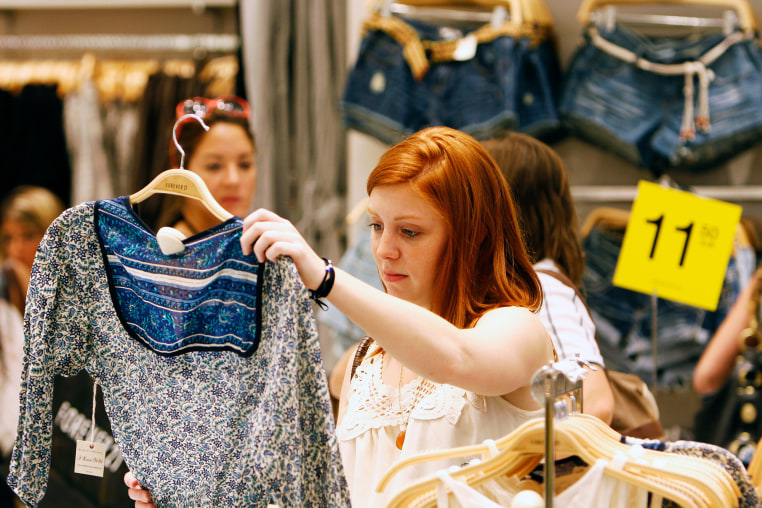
<point>466,48</point>
<point>90,458</point>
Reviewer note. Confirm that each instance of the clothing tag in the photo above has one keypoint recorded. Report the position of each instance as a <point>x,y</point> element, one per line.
<point>449,33</point>
<point>90,458</point>
<point>466,48</point>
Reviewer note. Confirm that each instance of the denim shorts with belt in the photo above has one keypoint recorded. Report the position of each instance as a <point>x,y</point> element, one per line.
<point>410,74</point>
<point>664,102</point>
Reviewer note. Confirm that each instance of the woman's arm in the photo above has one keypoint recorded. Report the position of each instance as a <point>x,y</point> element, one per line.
<point>717,360</point>
<point>497,356</point>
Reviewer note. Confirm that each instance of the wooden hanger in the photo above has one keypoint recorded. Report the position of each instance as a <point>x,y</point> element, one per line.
<point>536,12</point>
<point>185,183</point>
<point>691,482</point>
<point>607,217</point>
<point>182,182</point>
<point>747,18</point>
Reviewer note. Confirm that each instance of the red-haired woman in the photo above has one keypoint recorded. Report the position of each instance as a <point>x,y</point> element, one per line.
<point>456,341</point>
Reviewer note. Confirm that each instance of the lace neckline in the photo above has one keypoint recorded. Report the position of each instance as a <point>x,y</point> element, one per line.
<point>374,404</point>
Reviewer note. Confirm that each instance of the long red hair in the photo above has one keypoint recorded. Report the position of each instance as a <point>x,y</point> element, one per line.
<point>484,264</point>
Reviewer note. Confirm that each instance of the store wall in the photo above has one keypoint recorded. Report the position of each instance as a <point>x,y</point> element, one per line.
<point>587,164</point>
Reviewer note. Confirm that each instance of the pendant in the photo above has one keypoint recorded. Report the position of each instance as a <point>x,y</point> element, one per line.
<point>400,439</point>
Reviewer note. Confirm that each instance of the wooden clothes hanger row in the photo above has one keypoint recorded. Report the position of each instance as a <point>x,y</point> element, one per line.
<point>606,217</point>
<point>689,481</point>
<point>747,18</point>
<point>114,79</point>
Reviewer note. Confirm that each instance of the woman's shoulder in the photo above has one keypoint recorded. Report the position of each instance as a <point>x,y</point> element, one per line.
<point>511,321</point>
<point>512,312</point>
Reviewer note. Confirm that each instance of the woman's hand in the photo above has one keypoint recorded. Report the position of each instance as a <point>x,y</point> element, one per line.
<point>270,236</point>
<point>137,493</point>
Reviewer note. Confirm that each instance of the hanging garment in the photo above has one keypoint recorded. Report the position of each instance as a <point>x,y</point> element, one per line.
<point>212,418</point>
<point>32,141</point>
<point>83,127</point>
<point>689,102</point>
<point>706,451</point>
<point>467,497</point>
<point>411,74</point>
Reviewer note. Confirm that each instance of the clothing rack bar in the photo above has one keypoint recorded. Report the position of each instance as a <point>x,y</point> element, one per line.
<point>610,15</point>
<point>175,42</point>
<point>549,384</point>
<point>442,13</point>
<point>124,4</point>
<point>602,17</point>
<point>627,193</point>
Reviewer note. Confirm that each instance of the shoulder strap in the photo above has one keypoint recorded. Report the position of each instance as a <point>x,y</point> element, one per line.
<point>360,354</point>
<point>567,281</point>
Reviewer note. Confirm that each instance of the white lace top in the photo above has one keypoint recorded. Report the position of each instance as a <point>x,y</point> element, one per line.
<point>443,417</point>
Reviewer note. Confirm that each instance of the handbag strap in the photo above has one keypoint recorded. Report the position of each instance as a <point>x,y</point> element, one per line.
<point>567,282</point>
<point>360,354</point>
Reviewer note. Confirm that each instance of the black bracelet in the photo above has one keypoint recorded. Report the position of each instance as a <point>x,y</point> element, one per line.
<point>325,286</point>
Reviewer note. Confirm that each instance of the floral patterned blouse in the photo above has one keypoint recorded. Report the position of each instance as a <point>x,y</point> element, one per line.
<point>209,363</point>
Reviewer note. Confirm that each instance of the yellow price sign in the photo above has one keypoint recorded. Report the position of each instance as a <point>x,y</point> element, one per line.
<point>678,245</point>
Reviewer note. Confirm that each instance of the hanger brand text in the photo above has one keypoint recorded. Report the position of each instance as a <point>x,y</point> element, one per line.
<point>177,186</point>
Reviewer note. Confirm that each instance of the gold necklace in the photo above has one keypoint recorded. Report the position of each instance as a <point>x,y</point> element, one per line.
<point>401,436</point>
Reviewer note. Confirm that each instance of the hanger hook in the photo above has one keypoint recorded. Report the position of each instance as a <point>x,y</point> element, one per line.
<point>174,134</point>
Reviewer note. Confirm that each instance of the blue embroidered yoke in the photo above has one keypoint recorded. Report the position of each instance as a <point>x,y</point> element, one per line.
<point>204,415</point>
<point>203,298</point>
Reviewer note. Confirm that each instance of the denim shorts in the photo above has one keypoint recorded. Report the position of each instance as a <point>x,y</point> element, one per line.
<point>638,114</point>
<point>478,95</point>
<point>538,81</point>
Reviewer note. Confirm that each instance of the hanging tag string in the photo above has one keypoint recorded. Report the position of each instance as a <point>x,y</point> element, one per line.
<point>92,425</point>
